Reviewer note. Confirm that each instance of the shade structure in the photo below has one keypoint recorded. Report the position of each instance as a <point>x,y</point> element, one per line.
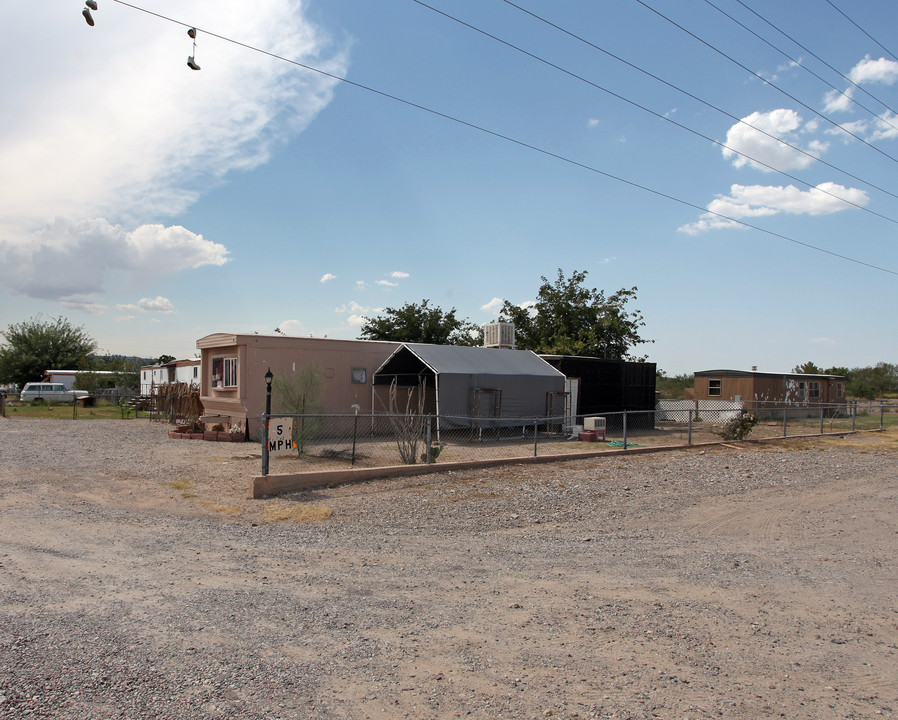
<point>464,382</point>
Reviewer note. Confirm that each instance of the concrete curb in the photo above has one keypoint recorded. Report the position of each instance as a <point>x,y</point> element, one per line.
<point>265,485</point>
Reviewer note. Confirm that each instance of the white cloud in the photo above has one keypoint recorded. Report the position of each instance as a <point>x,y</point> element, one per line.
<point>398,274</point>
<point>885,127</point>
<point>835,101</point>
<point>84,303</point>
<point>66,259</point>
<point>751,201</point>
<point>592,122</point>
<point>157,304</point>
<point>327,277</point>
<point>112,124</point>
<point>125,318</point>
<point>290,327</point>
<point>360,284</point>
<point>781,124</point>
<point>386,283</point>
<point>823,341</point>
<point>356,320</point>
<point>494,305</point>
<point>352,307</point>
<point>874,71</point>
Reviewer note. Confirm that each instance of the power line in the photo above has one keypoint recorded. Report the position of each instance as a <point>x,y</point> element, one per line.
<point>766,81</point>
<point>706,103</point>
<point>658,115</point>
<point>799,64</point>
<point>836,8</point>
<point>509,139</point>
<point>817,57</point>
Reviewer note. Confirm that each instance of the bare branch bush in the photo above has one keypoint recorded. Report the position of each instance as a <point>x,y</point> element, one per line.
<point>408,426</point>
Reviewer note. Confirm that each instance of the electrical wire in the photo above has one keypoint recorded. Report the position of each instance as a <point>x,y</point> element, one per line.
<point>658,115</point>
<point>514,141</point>
<point>799,64</point>
<point>706,103</point>
<point>817,57</point>
<point>767,82</point>
<point>836,8</point>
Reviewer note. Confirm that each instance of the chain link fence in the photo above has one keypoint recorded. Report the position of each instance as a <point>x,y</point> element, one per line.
<point>323,442</point>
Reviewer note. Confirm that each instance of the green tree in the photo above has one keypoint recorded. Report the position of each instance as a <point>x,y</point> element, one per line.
<point>808,368</point>
<point>568,318</point>
<point>873,382</point>
<point>300,393</point>
<point>421,323</point>
<point>673,387</point>
<point>163,359</point>
<point>36,345</point>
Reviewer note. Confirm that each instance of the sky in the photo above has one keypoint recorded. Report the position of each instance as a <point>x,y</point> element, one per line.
<point>734,161</point>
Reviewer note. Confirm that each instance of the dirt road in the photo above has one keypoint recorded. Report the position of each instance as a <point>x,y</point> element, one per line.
<point>137,580</point>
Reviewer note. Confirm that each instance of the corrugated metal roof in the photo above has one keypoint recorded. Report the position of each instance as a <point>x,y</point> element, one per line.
<point>457,359</point>
<point>759,373</point>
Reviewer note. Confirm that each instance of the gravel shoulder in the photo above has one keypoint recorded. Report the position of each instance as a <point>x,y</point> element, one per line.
<point>138,580</point>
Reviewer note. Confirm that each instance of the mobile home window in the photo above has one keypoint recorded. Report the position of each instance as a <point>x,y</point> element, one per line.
<point>814,389</point>
<point>359,375</point>
<point>840,390</point>
<point>224,372</point>
<point>714,388</point>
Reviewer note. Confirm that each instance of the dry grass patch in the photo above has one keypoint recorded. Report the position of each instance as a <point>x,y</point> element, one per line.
<point>298,513</point>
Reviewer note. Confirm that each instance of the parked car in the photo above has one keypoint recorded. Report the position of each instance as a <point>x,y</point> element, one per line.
<point>50,392</point>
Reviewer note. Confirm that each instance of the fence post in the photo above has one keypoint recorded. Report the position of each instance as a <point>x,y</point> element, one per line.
<point>853,411</point>
<point>821,419</point>
<point>355,432</point>
<point>625,429</point>
<point>784,422</point>
<point>427,458</point>
<point>690,427</point>
<point>535,434</point>
<point>882,407</point>
<point>265,420</point>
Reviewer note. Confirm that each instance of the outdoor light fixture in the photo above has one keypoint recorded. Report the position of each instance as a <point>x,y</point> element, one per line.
<point>269,376</point>
<point>191,63</point>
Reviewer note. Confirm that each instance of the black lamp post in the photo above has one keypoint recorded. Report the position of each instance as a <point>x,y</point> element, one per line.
<point>269,376</point>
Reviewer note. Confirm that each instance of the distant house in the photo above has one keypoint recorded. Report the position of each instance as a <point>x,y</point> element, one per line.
<point>106,379</point>
<point>761,389</point>
<point>233,367</point>
<point>176,371</point>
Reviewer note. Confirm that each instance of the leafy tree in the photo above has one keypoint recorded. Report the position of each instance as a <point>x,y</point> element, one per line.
<point>808,368</point>
<point>421,323</point>
<point>36,345</point>
<point>873,382</point>
<point>163,359</point>
<point>673,387</point>
<point>300,393</point>
<point>568,318</point>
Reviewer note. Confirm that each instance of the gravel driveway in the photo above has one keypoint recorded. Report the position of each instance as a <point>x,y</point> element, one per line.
<point>137,580</point>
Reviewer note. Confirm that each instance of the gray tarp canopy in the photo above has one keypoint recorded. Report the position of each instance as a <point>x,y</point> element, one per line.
<point>486,382</point>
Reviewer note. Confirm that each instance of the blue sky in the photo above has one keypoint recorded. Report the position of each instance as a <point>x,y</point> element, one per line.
<point>154,204</point>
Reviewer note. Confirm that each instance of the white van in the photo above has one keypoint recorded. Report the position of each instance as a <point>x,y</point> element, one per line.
<point>50,392</point>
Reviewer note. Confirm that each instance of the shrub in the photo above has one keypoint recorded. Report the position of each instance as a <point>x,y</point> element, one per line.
<point>739,427</point>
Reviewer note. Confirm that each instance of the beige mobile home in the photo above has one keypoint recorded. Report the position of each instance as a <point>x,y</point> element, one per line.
<point>233,368</point>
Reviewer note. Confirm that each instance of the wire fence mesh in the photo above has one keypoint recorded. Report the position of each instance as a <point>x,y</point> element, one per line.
<point>338,441</point>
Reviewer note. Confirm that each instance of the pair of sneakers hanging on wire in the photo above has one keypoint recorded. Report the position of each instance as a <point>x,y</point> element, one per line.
<point>91,5</point>
<point>191,62</point>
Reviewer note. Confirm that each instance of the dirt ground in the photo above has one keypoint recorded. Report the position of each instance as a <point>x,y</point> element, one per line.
<point>754,581</point>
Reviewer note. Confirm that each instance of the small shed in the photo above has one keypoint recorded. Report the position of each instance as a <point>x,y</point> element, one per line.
<point>473,382</point>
